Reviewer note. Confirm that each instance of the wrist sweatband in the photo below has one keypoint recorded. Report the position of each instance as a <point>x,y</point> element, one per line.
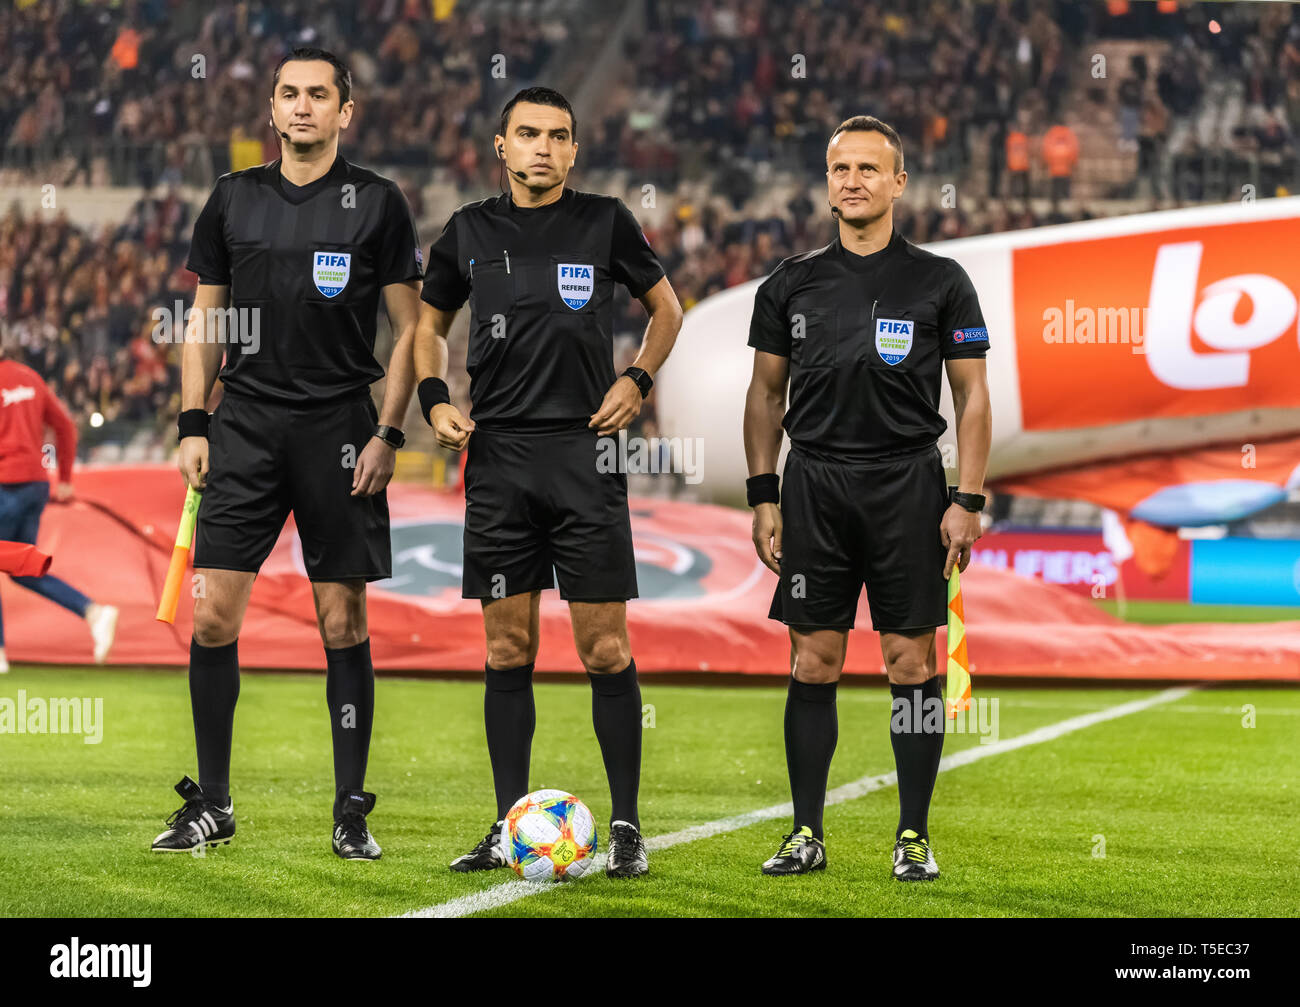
<point>192,423</point>
<point>973,502</point>
<point>431,392</point>
<point>763,489</point>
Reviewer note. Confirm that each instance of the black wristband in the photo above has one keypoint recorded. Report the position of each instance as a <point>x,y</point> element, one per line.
<point>642,378</point>
<point>192,423</point>
<point>973,502</point>
<point>431,392</point>
<point>763,489</point>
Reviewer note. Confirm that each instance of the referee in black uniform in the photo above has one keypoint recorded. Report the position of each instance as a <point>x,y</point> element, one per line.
<point>859,330</point>
<point>538,264</point>
<point>306,244</point>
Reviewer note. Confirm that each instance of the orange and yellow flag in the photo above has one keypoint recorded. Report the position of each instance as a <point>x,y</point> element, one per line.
<point>957,696</point>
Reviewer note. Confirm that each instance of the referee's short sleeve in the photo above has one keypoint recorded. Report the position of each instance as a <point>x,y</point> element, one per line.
<point>769,329</point>
<point>962,332</point>
<point>445,286</point>
<point>400,257</point>
<point>632,262</point>
<point>209,257</point>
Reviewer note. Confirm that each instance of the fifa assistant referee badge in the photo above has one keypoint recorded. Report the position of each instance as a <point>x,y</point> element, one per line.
<point>391,436</point>
<point>973,502</point>
<point>192,423</point>
<point>642,379</point>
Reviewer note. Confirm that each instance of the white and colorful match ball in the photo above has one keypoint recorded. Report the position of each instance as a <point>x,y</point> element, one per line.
<point>549,836</point>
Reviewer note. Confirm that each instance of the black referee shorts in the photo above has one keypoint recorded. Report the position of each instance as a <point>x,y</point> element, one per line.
<point>538,510</point>
<point>846,526</point>
<point>267,459</point>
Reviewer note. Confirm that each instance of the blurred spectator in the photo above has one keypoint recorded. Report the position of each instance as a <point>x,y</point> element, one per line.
<point>1061,154</point>
<point>1018,163</point>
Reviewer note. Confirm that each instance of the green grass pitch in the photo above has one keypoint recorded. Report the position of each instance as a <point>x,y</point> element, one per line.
<point>1196,810</point>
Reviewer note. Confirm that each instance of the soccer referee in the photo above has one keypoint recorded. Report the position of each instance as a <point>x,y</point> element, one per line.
<point>300,249</point>
<point>859,330</point>
<point>538,264</point>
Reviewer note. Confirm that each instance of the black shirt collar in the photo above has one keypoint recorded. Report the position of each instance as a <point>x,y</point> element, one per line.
<point>512,207</point>
<point>301,193</point>
<point>855,261</point>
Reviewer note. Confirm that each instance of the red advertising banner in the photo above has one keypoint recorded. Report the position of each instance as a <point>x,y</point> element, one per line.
<point>1190,322</point>
<point>1080,562</point>
<point>703,605</point>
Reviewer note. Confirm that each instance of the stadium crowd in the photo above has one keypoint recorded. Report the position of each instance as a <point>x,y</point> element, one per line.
<point>708,92</point>
<point>187,79</point>
<point>77,305</point>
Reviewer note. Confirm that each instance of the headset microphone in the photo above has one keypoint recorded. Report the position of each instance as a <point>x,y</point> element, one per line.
<point>521,175</point>
<point>271,122</point>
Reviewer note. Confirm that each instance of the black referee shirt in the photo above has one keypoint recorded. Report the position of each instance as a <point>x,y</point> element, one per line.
<point>540,283</point>
<point>313,259</point>
<point>866,336</point>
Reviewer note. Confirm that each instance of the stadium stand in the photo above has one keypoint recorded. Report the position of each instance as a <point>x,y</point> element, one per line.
<point>709,90</point>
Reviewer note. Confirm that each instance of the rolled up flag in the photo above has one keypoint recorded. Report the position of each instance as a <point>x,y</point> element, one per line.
<point>180,558</point>
<point>957,695</point>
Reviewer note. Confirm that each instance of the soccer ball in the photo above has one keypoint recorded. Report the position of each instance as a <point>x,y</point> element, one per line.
<point>549,836</point>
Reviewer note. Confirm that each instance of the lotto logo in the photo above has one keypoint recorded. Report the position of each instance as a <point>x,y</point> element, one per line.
<point>1197,321</point>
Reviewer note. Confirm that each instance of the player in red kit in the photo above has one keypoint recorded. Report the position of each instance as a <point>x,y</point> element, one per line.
<point>27,407</point>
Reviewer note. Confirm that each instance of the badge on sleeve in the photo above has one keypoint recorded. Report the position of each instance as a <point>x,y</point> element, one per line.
<point>893,339</point>
<point>575,283</point>
<point>330,271</point>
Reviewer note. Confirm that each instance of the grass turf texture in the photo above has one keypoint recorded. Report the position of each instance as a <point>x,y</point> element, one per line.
<point>1175,790</point>
<point>1163,612</point>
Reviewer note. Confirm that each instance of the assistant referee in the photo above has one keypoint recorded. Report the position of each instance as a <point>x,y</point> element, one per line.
<point>538,264</point>
<point>859,330</point>
<point>301,249</point>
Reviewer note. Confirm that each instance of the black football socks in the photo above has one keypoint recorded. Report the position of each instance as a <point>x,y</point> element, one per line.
<point>214,689</point>
<point>811,732</point>
<point>916,732</point>
<point>350,695</point>
<point>616,715</point>
<point>510,717</point>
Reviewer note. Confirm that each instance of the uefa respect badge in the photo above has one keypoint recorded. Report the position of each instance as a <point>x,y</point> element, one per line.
<point>893,339</point>
<point>330,271</point>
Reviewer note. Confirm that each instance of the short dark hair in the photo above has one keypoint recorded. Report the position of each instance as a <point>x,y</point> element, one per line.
<point>342,75</point>
<point>539,96</point>
<point>870,124</point>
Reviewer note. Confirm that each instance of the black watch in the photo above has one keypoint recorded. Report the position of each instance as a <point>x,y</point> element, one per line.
<point>973,502</point>
<point>642,379</point>
<point>391,436</point>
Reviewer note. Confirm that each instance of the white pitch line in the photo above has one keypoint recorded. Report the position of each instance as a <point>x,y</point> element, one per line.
<point>513,891</point>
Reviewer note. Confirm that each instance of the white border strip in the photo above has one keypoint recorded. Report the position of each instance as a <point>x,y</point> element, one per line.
<point>513,891</point>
